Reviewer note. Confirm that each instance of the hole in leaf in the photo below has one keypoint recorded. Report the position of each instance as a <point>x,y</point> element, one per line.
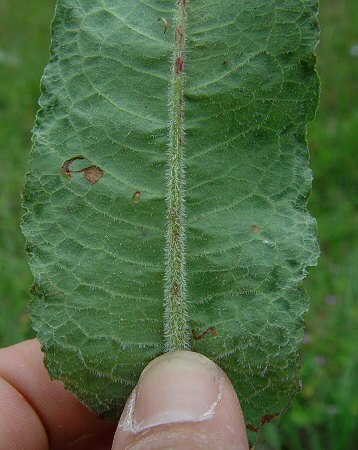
<point>66,167</point>
<point>91,173</point>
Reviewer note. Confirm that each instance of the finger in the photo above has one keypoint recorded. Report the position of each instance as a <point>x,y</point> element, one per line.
<point>19,423</point>
<point>41,407</point>
<point>182,401</point>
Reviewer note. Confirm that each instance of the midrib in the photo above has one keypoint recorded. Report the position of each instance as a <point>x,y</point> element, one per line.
<point>176,329</point>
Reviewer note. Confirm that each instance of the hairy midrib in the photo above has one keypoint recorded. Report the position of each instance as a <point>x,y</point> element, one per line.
<point>175,318</point>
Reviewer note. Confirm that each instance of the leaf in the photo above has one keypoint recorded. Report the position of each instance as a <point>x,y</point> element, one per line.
<point>216,224</point>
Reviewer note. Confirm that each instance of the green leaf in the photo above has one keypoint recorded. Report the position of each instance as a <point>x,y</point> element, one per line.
<point>135,243</point>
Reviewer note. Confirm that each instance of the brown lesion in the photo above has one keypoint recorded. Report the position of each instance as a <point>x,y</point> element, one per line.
<point>264,420</point>
<point>267,419</point>
<point>211,330</point>
<point>255,229</point>
<point>250,427</point>
<point>91,173</point>
<point>136,197</point>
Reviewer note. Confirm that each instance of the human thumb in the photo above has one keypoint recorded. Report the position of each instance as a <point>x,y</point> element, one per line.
<point>182,401</point>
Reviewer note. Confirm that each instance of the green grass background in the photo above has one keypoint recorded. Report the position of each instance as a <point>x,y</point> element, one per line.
<point>325,415</point>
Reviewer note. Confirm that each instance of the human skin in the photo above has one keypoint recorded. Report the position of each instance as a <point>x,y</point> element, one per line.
<point>182,401</point>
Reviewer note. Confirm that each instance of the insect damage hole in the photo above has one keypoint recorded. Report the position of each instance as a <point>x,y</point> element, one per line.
<point>66,166</point>
<point>91,173</point>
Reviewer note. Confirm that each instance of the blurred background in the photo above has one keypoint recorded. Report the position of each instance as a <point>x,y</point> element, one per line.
<point>325,415</point>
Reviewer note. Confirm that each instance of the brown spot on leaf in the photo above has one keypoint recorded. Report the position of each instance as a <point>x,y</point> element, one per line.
<point>267,418</point>
<point>264,420</point>
<point>136,197</point>
<point>212,330</point>
<point>226,62</point>
<point>93,174</point>
<point>255,229</point>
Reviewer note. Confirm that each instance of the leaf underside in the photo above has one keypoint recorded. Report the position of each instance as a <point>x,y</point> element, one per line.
<point>96,208</point>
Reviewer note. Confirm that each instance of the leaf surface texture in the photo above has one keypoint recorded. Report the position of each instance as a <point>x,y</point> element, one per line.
<point>97,218</point>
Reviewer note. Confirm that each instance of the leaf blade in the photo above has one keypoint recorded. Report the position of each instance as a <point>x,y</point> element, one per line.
<point>250,237</point>
<point>87,238</point>
<point>98,248</point>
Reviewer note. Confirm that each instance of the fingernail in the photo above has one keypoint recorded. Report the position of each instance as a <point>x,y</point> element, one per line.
<point>177,387</point>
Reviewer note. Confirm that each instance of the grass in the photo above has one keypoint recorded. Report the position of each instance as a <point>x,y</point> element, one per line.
<point>24,43</point>
<point>325,415</point>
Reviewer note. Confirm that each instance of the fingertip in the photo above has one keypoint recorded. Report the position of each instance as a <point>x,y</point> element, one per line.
<point>183,400</point>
